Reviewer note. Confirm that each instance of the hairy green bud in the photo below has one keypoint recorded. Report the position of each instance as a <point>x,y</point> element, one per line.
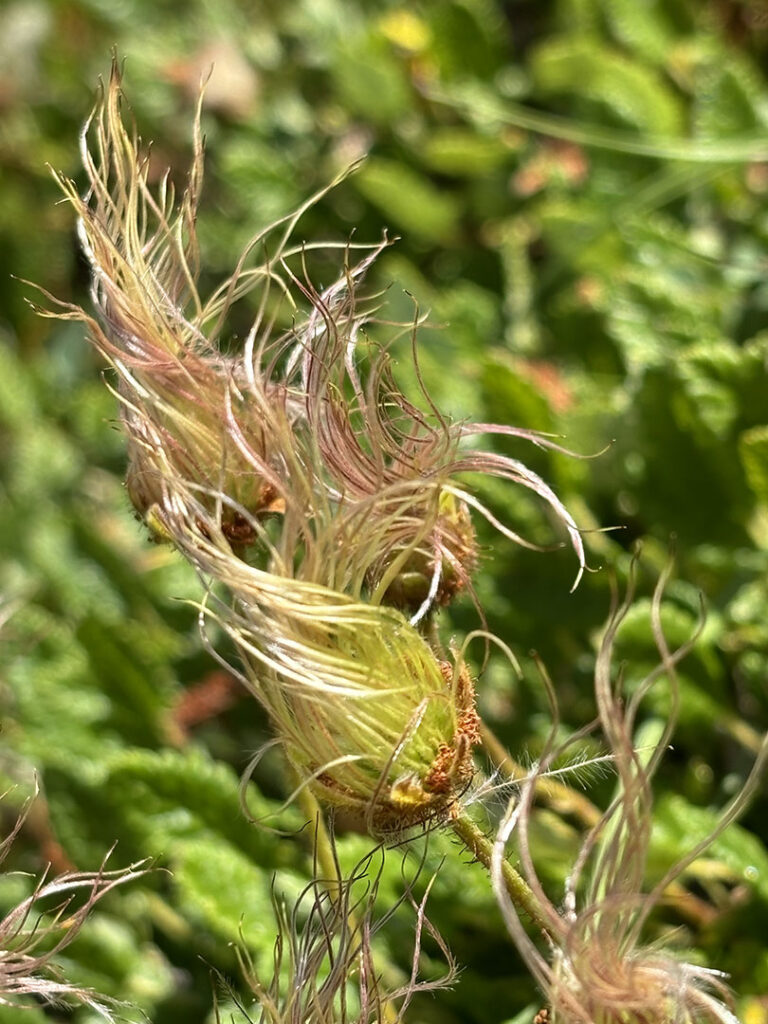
<point>156,332</point>
<point>370,718</point>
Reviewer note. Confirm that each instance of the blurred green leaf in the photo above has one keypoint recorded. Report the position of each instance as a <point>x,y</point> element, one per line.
<point>224,891</point>
<point>678,826</point>
<point>753,449</point>
<point>171,796</point>
<point>408,200</point>
<point>369,80</point>
<point>629,92</point>
<point>647,29</point>
<point>463,153</point>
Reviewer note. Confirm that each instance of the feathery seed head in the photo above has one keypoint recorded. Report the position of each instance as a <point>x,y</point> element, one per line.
<point>366,714</point>
<point>152,326</point>
<point>404,464</point>
<point>600,969</point>
<point>35,932</point>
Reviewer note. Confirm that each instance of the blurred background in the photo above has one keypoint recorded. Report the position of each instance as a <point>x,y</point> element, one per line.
<point>580,191</point>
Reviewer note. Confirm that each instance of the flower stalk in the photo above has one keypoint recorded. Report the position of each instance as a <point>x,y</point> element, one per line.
<point>517,889</point>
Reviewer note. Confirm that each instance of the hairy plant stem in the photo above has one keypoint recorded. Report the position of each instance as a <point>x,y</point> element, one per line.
<point>481,848</point>
<point>565,800</point>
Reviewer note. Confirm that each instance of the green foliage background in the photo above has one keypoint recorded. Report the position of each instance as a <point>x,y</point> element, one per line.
<point>581,187</point>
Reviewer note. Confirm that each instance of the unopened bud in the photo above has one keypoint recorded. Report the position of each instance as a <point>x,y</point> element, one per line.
<point>180,394</point>
<point>370,718</point>
<point>379,727</point>
<point>436,569</point>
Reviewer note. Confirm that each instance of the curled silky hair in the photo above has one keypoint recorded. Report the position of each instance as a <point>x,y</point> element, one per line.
<point>324,968</point>
<point>371,719</point>
<point>598,968</point>
<point>36,931</point>
<point>227,423</point>
<point>402,464</point>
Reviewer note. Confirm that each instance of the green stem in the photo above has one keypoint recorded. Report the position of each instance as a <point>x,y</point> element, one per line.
<point>326,861</point>
<point>481,848</point>
<point>322,842</point>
